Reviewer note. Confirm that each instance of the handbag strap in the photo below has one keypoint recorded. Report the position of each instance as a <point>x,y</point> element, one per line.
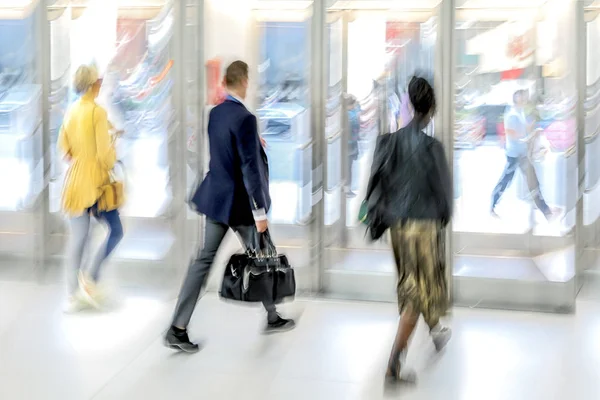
<point>111,173</point>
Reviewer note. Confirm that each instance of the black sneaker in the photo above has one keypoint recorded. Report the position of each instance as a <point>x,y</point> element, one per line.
<point>180,341</point>
<point>280,325</point>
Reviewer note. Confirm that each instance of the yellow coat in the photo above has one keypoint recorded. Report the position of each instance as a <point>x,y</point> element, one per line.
<point>84,139</point>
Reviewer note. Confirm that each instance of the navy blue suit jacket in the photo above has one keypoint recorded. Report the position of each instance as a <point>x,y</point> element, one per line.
<point>237,183</point>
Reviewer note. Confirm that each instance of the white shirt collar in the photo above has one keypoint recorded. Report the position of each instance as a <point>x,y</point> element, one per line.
<point>237,98</point>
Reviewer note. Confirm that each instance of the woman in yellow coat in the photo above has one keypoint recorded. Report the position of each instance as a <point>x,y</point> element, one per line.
<point>86,144</point>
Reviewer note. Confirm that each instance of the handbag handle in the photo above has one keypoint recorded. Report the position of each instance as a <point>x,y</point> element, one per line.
<point>268,243</point>
<point>263,245</point>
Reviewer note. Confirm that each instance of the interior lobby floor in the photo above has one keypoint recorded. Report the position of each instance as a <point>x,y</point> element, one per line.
<point>338,351</point>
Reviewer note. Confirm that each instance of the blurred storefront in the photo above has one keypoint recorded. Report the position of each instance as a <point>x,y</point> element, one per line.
<point>327,78</point>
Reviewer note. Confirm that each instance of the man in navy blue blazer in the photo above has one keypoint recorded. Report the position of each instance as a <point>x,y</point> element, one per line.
<point>234,194</point>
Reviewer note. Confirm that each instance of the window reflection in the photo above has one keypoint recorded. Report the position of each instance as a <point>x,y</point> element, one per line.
<point>592,130</point>
<point>284,114</point>
<point>515,94</point>
<point>21,166</point>
<point>132,51</point>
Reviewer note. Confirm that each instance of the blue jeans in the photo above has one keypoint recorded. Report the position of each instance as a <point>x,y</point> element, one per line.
<point>528,171</point>
<point>80,231</point>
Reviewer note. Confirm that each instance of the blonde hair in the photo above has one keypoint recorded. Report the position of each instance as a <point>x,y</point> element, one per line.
<point>85,77</point>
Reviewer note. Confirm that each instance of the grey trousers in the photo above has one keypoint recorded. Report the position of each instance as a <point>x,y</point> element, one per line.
<point>199,269</point>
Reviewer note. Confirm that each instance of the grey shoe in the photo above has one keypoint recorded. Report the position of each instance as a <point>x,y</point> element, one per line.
<point>180,341</point>
<point>279,325</point>
<point>441,336</point>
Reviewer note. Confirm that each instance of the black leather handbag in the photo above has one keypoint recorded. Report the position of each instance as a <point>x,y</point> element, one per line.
<point>259,274</point>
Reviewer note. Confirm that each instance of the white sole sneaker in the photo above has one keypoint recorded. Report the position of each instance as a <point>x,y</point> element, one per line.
<point>74,305</point>
<point>441,337</point>
<point>86,288</point>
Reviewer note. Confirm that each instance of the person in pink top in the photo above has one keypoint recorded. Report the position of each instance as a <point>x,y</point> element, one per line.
<point>406,111</point>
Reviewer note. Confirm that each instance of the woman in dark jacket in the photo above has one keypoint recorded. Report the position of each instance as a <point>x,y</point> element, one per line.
<point>410,193</point>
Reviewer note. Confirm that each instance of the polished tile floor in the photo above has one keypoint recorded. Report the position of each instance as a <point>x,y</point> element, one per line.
<point>338,352</point>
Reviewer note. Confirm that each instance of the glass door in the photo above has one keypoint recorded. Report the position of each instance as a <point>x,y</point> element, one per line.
<point>515,153</point>
<point>285,109</point>
<point>134,44</point>
<point>374,48</point>
<point>21,138</point>
<point>591,194</point>
<point>275,39</point>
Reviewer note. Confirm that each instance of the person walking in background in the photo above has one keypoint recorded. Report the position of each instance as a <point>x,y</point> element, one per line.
<point>86,144</point>
<point>234,194</point>
<point>406,111</point>
<point>410,193</point>
<point>518,133</point>
<point>353,149</point>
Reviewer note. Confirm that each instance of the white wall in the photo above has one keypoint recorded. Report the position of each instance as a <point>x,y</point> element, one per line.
<point>229,35</point>
<point>94,35</point>
<point>366,53</point>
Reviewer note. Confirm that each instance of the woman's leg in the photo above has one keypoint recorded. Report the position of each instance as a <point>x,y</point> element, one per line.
<point>405,256</point>
<point>115,234</point>
<point>434,272</point>
<point>406,327</point>
<point>80,228</point>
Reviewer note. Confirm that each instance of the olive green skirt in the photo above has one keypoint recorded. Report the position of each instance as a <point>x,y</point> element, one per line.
<point>420,259</point>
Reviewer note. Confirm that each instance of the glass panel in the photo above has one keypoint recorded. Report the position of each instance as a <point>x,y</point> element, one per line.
<point>591,196</point>
<point>284,116</point>
<point>488,81</point>
<point>21,166</point>
<point>131,43</point>
<point>193,109</point>
<point>60,16</point>
<point>21,132</point>
<point>515,156</point>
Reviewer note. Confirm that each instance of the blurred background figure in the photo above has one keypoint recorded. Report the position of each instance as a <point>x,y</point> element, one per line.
<point>406,111</point>
<point>410,192</point>
<point>520,128</point>
<point>353,148</point>
<point>87,145</point>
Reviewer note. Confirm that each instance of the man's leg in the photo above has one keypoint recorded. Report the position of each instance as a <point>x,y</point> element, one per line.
<point>198,270</point>
<point>505,180</point>
<point>177,337</point>
<point>275,323</point>
<point>534,186</point>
